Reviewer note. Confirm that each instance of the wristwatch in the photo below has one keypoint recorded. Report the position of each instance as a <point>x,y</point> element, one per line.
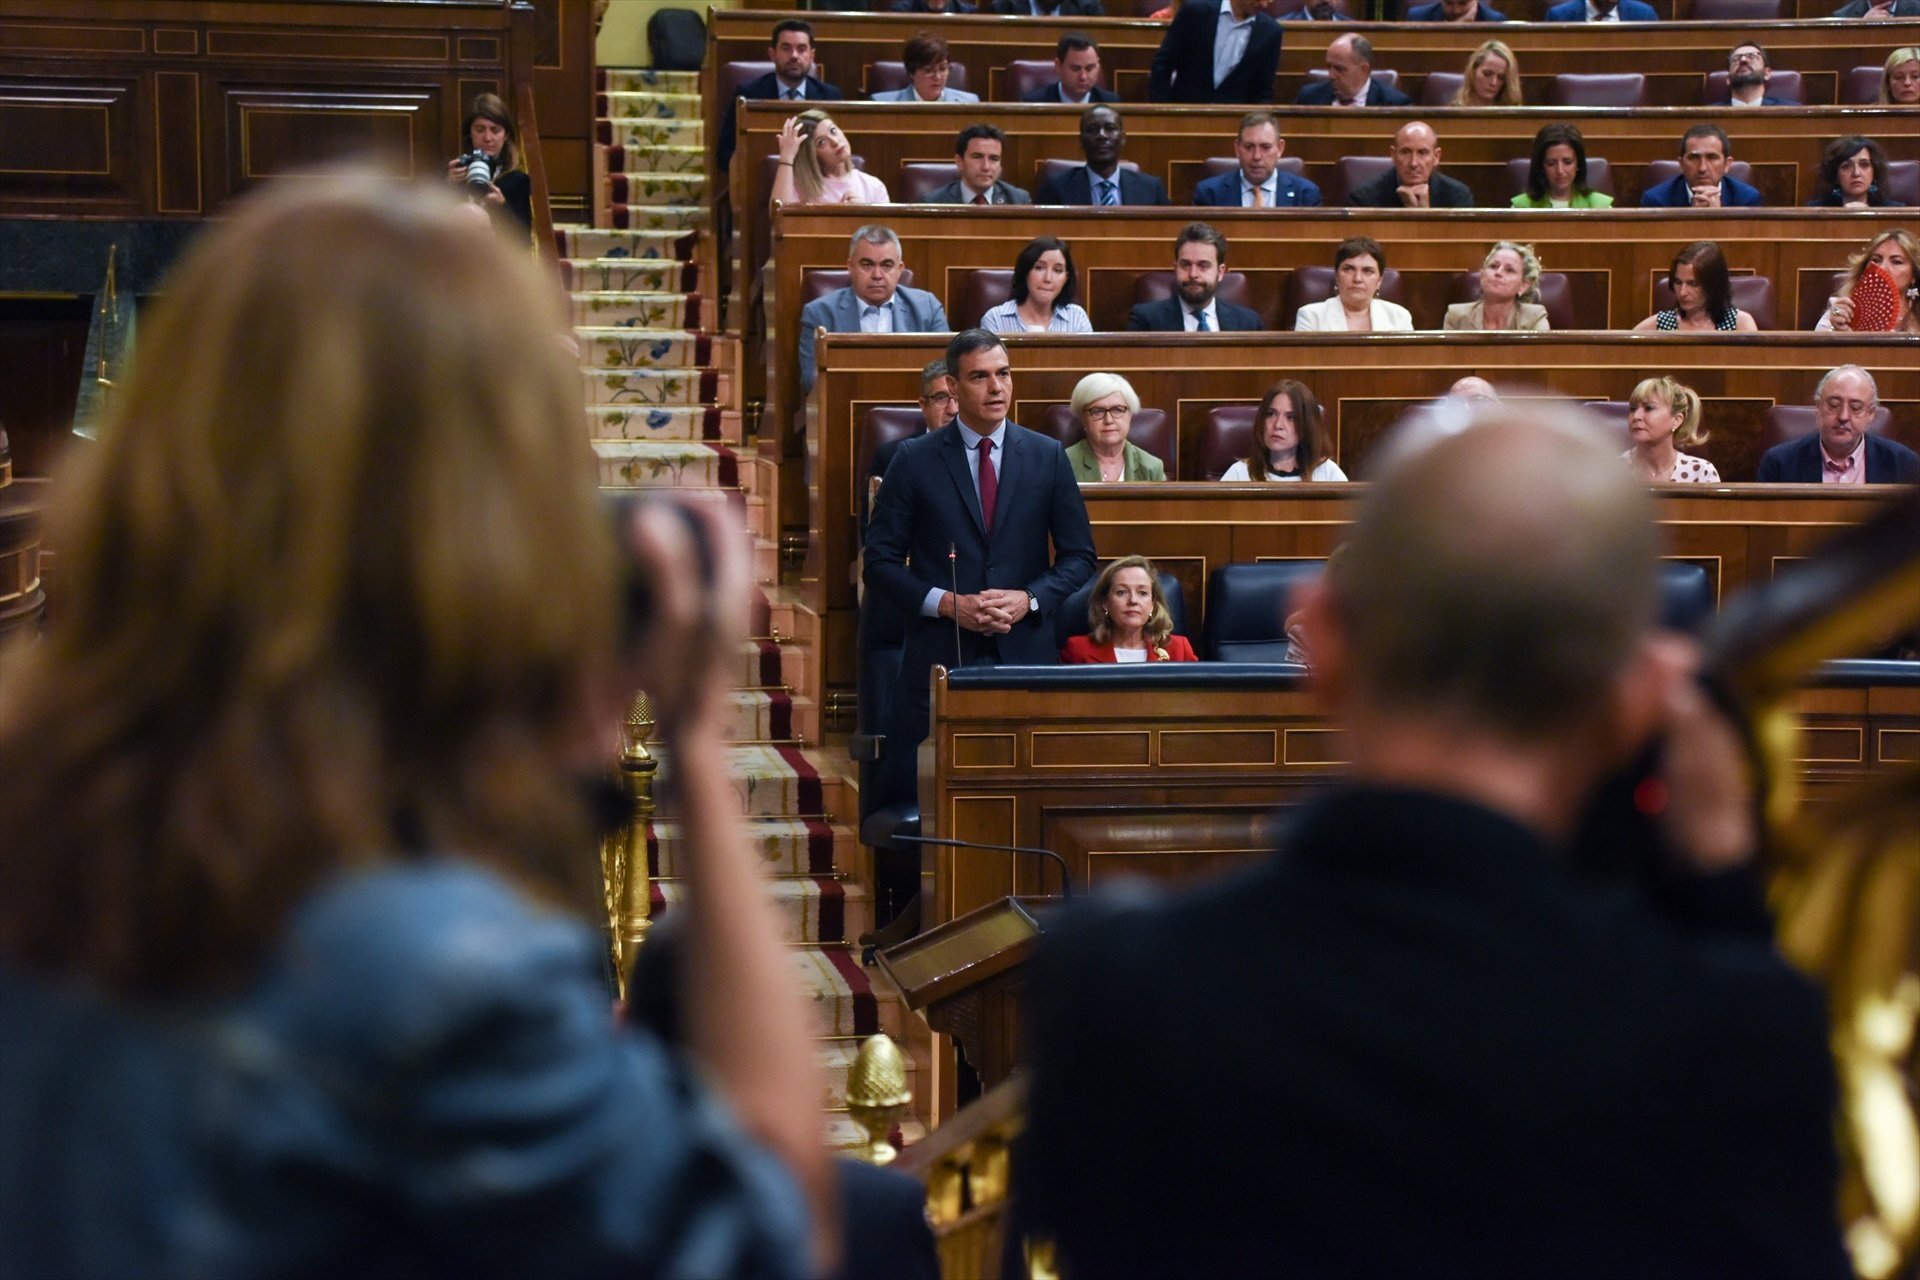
<point>1033,604</point>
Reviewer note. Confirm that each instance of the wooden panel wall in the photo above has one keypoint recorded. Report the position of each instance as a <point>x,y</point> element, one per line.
<point>1364,383</point>
<point>132,109</point>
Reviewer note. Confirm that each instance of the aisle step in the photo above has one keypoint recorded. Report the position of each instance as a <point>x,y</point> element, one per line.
<point>683,189</point>
<point>607,308</point>
<point>653,131</point>
<point>683,162</point>
<point>595,243</point>
<point>625,274</point>
<point>774,782</point>
<point>708,423</point>
<point>642,215</point>
<point>814,911</point>
<point>647,80</point>
<point>845,1001</point>
<point>666,464</point>
<point>786,846</point>
<point>639,104</point>
<point>640,388</point>
<point>633,346</point>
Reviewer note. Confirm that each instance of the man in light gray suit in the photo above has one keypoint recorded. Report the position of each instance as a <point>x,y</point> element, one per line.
<point>875,301</point>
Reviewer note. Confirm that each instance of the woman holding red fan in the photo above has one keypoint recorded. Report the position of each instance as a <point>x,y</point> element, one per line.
<point>1880,288</point>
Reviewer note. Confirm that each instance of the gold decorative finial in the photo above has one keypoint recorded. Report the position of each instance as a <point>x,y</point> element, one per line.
<point>623,854</point>
<point>877,1095</point>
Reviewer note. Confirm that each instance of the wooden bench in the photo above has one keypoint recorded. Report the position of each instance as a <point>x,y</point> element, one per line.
<point>1518,11</point>
<point>1365,384</point>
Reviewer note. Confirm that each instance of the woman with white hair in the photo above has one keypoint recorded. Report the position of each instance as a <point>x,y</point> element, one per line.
<point>1105,404</point>
<point>1509,293</point>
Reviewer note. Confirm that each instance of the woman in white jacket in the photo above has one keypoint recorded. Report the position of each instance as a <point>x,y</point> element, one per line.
<point>1359,264</point>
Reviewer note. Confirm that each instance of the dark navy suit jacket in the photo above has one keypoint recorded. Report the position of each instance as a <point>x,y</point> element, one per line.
<point>1051,93</point>
<point>766,88</point>
<point>1183,65</point>
<point>1075,186</point>
<point>1165,316</point>
<point>1799,462</point>
<point>1320,94</point>
<point>1434,13</point>
<point>1576,11</point>
<point>1223,191</point>
<point>1674,193</point>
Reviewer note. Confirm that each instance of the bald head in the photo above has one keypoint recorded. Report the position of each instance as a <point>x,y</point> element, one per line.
<point>1350,65</point>
<point>1474,391</point>
<point>1502,575</point>
<point>1416,153</point>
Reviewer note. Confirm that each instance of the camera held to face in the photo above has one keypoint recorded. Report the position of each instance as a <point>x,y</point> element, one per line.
<point>480,170</point>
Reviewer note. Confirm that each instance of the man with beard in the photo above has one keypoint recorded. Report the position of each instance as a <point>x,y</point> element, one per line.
<point>1747,74</point>
<point>1199,263</point>
<point>791,80</point>
<point>1101,180</point>
<point>1415,181</point>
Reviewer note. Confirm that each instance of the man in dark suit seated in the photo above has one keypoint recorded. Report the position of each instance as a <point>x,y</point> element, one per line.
<point>1879,9</point>
<point>1258,182</point>
<point>977,153</point>
<point>1415,181</point>
<point>1076,61</point>
<point>1428,1037</point>
<point>959,541</point>
<point>1314,11</point>
<point>874,302</point>
<point>1842,451</point>
<point>1217,52</point>
<point>1101,180</point>
<point>1748,71</point>
<point>936,411</point>
<point>1455,11</point>
<point>791,51</point>
<point>1602,11</point>
<point>1042,9</point>
<point>1702,183</point>
<point>1350,81</point>
<point>1199,263</point>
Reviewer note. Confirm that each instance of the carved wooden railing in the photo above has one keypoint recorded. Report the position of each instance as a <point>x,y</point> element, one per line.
<point>965,1165</point>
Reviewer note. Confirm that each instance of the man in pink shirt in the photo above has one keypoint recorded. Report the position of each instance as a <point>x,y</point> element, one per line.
<point>1842,451</point>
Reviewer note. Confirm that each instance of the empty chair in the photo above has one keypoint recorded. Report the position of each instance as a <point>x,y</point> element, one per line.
<point>1608,89</point>
<point>921,178</point>
<point>1247,606</point>
<point>1556,295</point>
<point>1152,430</point>
<point>1439,87</point>
<point>818,282</point>
<point>1785,85</point>
<point>1599,174</point>
<point>1813,301</point>
<point>735,74</point>
<point>1071,619</point>
<point>1860,87</point>
<point>1028,75</point>
<point>884,77</point>
<point>1739,11</point>
<point>1307,285</point>
<point>1752,294</point>
<point>1614,413</point>
<point>1686,595</point>
<point>1352,172</point>
<point>1225,437</point>
<point>1903,182</point>
<point>981,290</point>
<point>1784,422</point>
<point>1047,170</point>
<point>1659,171</point>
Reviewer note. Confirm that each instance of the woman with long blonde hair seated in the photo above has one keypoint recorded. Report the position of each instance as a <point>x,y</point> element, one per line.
<point>816,166</point>
<point>1492,79</point>
<point>1128,619</point>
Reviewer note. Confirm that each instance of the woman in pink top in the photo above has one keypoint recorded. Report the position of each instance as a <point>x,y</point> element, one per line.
<point>816,166</point>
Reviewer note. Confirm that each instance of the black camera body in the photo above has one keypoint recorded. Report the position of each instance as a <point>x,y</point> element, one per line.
<point>480,170</point>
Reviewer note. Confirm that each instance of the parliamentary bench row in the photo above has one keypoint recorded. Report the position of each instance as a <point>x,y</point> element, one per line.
<point>1365,385</point>
<point>1377,13</point>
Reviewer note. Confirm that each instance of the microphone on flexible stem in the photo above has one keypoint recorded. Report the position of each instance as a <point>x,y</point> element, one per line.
<point>1066,876</point>
<point>953,578</point>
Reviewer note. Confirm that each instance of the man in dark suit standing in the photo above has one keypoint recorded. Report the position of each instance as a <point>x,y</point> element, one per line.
<point>1076,62</point>
<point>1415,181</point>
<point>1199,263</point>
<point>1258,182</point>
<point>1842,451</point>
<point>959,541</point>
<point>1446,1050</point>
<point>1350,81</point>
<point>1101,180</point>
<point>791,51</point>
<point>1455,11</point>
<point>1224,51</point>
<point>976,154</point>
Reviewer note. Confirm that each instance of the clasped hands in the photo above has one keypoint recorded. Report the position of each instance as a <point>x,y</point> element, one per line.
<point>1417,195</point>
<point>990,613</point>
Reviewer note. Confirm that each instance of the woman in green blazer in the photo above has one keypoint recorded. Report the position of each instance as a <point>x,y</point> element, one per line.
<point>1105,404</point>
<point>1557,177</point>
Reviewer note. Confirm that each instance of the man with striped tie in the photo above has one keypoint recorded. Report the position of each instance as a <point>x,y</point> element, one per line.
<point>1102,180</point>
<point>791,80</point>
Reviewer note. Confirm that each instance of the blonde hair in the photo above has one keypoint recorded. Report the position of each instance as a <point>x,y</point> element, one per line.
<point>1098,386</point>
<point>1904,54</point>
<point>336,589</point>
<point>1683,400</point>
<point>1529,266</point>
<point>808,180</point>
<point>1909,245</point>
<point>1510,95</point>
<point>1159,622</point>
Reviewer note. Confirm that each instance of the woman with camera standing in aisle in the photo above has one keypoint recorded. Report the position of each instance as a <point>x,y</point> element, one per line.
<point>491,134</point>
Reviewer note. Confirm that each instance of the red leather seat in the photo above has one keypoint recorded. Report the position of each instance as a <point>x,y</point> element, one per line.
<point>883,423</point>
<point>980,291</point>
<point>1439,87</point>
<point>1315,284</point>
<point>1903,182</point>
<point>1352,172</point>
<point>1556,295</point>
<point>884,77</point>
<point>735,74</point>
<point>1599,174</point>
<point>1614,413</point>
<point>921,178</point>
<point>1752,294</point>
<point>1027,75</point>
<point>1781,84</point>
<point>1860,87</point>
<point>1740,11</point>
<point>821,281</point>
<point>1608,89</point>
<point>1152,430</point>
<point>1226,436</point>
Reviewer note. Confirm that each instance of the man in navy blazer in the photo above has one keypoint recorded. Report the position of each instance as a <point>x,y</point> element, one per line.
<point>1842,451</point>
<point>791,52</point>
<point>959,538</point>
<point>875,301</point>
<point>1076,63</point>
<point>1350,79</point>
<point>1258,182</point>
<point>1199,264</point>
<point>1197,62</point>
<point>1455,11</point>
<point>1101,180</point>
<point>1702,183</point>
<point>1602,11</point>
<point>1748,71</point>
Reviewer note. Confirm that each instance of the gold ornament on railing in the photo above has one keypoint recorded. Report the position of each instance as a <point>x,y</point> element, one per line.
<point>623,853</point>
<point>877,1095</point>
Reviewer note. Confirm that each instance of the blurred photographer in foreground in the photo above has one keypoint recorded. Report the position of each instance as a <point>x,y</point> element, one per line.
<point>300,838</point>
<point>494,168</point>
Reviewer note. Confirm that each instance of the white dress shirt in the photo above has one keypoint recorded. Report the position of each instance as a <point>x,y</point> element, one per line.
<point>930,607</point>
<point>1192,321</point>
<point>1594,15</point>
<point>875,319</point>
<point>1270,189</point>
<point>1229,41</point>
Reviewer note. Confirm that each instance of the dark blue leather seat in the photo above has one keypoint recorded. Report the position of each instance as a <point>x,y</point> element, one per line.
<point>1247,609</point>
<point>1072,618</point>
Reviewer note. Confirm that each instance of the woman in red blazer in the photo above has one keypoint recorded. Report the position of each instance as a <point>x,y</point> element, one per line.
<point>1129,618</point>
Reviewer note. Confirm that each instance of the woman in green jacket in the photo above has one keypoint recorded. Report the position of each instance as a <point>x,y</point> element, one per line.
<point>1557,178</point>
<point>1105,404</point>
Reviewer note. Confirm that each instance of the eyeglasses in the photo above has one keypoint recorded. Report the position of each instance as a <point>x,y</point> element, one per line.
<point>1107,413</point>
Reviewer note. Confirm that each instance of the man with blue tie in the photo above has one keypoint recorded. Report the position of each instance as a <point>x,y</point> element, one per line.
<point>1199,264</point>
<point>1602,11</point>
<point>791,80</point>
<point>1101,180</point>
<point>1258,182</point>
<point>874,300</point>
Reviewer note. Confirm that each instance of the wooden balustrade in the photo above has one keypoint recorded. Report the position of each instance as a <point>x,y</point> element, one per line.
<point>1364,384</point>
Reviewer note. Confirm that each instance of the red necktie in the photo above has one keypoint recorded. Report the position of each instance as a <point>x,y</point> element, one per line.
<point>979,199</point>
<point>989,484</point>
